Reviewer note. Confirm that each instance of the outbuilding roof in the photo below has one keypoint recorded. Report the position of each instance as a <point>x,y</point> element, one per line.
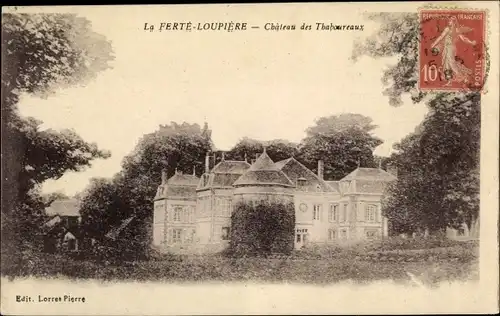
<point>69,207</point>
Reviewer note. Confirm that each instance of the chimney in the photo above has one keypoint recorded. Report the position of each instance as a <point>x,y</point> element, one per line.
<point>207,163</point>
<point>223,156</point>
<point>194,170</point>
<point>321,169</point>
<point>392,169</point>
<point>163,176</point>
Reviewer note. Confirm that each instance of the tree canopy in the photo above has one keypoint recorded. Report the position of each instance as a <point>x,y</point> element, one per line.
<point>343,142</point>
<point>438,164</point>
<point>41,52</point>
<point>277,149</point>
<point>107,203</point>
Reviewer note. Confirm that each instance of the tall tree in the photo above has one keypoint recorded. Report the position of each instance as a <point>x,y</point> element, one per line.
<point>105,204</point>
<point>343,142</point>
<point>438,165</point>
<point>41,52</point>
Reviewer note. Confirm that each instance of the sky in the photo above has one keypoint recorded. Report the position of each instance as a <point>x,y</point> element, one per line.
<point>259,84</point>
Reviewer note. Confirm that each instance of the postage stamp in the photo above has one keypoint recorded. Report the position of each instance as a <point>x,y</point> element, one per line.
<point>452,48</point>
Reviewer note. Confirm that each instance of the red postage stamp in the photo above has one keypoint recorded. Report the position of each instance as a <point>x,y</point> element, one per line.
<point>452,50</point>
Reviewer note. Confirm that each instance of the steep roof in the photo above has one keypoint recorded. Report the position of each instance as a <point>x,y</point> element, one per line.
<point>179,186</point>
<point>231,167</point>
<point>183,179</point>
<point>280,164</point>
<point>224,174</point>
<point>369,174</point>
<point>334,185</point>
<point>370,186</point>
<point>294,170</point>
<point>180,192</point>
<point>70,207</point>
<point>263,172</point>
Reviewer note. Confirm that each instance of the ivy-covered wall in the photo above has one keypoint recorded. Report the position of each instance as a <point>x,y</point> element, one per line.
<point>262,228</point>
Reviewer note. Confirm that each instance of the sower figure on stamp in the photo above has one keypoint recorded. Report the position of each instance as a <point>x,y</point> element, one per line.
<point>454,70</point>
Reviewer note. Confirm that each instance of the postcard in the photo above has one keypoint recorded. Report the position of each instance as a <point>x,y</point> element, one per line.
<point>280,158</point>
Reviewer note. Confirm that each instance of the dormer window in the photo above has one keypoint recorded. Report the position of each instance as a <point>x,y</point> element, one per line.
<point>301,182</point>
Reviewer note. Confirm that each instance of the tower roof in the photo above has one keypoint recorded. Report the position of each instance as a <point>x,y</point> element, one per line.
<point>264,162</point>
<point>263,172</point>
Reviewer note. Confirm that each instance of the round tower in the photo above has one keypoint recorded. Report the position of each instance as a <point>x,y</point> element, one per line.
<point>263,181</point>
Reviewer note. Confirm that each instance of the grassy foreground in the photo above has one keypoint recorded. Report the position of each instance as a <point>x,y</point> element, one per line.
<point>419,262</point>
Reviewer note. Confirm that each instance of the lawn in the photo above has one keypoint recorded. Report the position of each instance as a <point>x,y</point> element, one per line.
<point>429,263</point>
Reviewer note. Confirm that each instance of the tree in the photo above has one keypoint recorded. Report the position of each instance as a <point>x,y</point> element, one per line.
<point>343,142</point>
<point>106,204</point>
<point>438,176</point>
<point>101,207</point>
<point>397,37</point>
<point>277,149</point>
<point>41,52</point>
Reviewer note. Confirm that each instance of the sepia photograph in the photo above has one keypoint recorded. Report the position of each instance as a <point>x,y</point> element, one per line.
<point>250,159</point>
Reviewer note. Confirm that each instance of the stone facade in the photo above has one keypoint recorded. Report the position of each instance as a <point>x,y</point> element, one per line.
<point>193,214</point>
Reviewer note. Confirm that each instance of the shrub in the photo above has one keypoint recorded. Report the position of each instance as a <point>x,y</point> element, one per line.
<point>265,228</point>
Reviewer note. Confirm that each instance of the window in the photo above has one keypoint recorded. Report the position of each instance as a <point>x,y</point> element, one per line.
<point>224,206</point>
<point>176,236</point>
<point>192,236</point>
<point>301,183</point>
<point>370,213</point>
<point>298,237</point>
<point>334,213</point>
<point>160,191</point>
<point>317,212</point>
<point>177,214</point>
<point>192,214</point>
<point>345,211</point>
<point>332,234</point>
<point>72,221</point>
<point>344,234</point>
<point>225,233</point>
<point>461,231</point>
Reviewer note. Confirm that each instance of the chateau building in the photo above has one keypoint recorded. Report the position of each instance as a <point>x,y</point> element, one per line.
<point>193,214</point>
